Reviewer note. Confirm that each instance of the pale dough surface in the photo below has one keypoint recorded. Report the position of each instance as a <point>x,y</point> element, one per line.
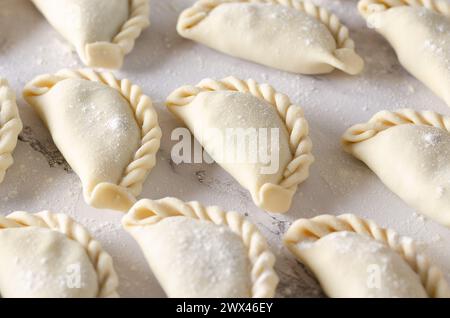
<point>352,265</point>
<point>38,263</point>
<point>195,259</point>
<point>420,39</point>
<point>94,128</point>
<point>224,110</point>
<point>412,161</point>
<point>84,22</point>
<point>274,35</point>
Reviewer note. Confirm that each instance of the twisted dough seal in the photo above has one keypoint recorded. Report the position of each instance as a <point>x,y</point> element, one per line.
<point>386,119</point>
<point>366,7</point>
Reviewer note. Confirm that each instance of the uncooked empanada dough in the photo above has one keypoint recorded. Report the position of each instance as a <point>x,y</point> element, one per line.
<point>294,36</point>
<point>409,151</point>
<point>106,129</point>
<point>355,258</point>
<point>419,33</point>
<point>201,252</point>
<point>10,126</point>
<point>48,255</point>
<point>102,31</point>
<point>213,110</point>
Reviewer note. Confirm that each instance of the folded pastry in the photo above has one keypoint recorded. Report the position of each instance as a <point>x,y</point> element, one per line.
<point>355,258</point>
<point>221,114</point>
<point>106,129</point>
<point>409,152</point>
<point>102,31</point>
<point>418,31</point>
<point>47,255</point>
<point>294,36</point>
<point>10,126</point>
<point>197,252</point>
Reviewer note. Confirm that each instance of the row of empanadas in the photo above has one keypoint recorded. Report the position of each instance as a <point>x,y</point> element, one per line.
<point>194,251</point>
<point>270,32</point>
<point>197,251</point>
<point>109,134</point>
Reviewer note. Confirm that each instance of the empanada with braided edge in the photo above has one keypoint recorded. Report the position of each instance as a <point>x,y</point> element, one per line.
<point>233,104</point>
<point>408,150</point>
<point>291,35</point>
<point>355,258</point>
<point>199,251</point>
<point>106,129</point>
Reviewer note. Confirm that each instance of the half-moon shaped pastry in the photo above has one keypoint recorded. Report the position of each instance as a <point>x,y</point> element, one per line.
<point>102,31</point>
<point>197,252</point>
<point>419,33</point>
<point>409,151</point>
<point>214,110</point>
<point>355,258</point>
<point>294,36</point>
<point>10,126</point>
<point>47,255</point>
<point>106,129</point>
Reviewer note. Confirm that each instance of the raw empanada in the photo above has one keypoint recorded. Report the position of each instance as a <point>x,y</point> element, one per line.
<point>419,33</point>
<point>102,31</point>
<point>105,128</point>
<point>196,251</point>
<point>409,151</point>
<point>355,258</point>
<point>47,255</point>
<point>294,36</point>
<point>10,126</point>
<point>233,105</point>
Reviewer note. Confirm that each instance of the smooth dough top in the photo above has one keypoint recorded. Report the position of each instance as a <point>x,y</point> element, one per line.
<point>195,258</point>
<point>348,264</point>
<point>38,263</point>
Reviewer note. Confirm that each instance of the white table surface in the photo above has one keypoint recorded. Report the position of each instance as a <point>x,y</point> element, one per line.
<point>161,62</point>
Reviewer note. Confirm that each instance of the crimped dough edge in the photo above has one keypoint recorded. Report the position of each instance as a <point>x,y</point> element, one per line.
<point>431,277</point>
<point>367,7</point>
<point>276,198</point>
<point>102,262</point>
<point>107,195</point>
<point>385,119</point>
